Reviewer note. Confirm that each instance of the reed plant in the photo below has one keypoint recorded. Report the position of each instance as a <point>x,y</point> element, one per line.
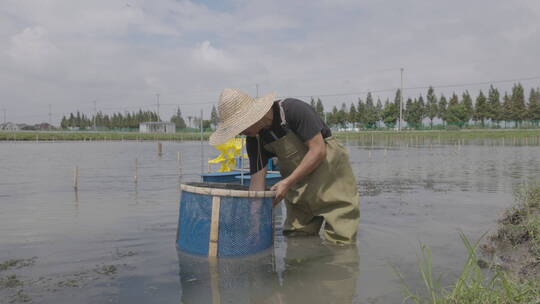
<point>515,282</point>
<point>474,285</point>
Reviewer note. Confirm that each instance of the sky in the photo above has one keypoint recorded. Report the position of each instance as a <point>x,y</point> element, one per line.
<point>114,56</point>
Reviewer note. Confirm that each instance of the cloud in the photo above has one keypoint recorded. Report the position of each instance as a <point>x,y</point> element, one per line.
<point>121,53</point>
<point>32,49</point>
<point>212,58</point>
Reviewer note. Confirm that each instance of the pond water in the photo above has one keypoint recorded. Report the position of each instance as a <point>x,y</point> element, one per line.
<point>113,240</point>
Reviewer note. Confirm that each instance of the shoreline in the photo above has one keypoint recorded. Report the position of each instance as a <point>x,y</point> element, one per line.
<point>506,268</point>
<point>531,135</point>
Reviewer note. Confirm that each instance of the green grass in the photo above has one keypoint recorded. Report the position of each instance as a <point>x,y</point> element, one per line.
<point>472,286</point>
<point>443,134</point>
<point>520,229</point>
<point>532,136</point>
<point>91,136</point>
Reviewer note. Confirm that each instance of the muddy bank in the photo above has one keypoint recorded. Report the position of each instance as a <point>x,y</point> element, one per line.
<point>515,247</point>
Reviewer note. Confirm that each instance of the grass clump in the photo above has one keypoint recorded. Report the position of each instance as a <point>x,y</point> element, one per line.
<point>17,263</point>
<point>10,282</point>
<point>472,286</point>
<point>515,279</point>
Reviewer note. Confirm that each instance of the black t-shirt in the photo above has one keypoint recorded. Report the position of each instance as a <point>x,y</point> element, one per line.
<point>301,119</point>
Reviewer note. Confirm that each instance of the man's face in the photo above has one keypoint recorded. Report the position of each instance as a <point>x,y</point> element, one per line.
<point>253,130</point>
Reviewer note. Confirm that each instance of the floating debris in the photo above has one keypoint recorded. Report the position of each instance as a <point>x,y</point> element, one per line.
<point>106,270</point>
<point>17,263</point>
<point>10,282</point>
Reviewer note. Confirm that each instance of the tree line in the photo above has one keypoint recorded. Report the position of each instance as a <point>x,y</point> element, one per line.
<point>459,110</point>
<point>114,121</point>
<point>132,120</point>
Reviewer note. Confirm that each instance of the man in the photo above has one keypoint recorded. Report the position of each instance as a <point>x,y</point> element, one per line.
<point>318,183</point>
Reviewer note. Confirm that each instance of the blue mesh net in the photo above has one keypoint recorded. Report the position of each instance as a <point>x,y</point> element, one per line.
<point>245,224</point>
<point>249,279</point>
<point>194,222</point>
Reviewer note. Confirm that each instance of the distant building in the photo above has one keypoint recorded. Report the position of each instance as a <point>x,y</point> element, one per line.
<point>44,126</point>
<point>157,127</point>
<point>9,126</point>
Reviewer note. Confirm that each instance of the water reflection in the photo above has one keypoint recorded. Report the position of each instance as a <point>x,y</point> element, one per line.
<point>309,272</point>
<point>317,273</point>
<point>408,193</point>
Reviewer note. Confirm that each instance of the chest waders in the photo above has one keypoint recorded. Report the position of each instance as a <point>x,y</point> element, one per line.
<point>328,193</point>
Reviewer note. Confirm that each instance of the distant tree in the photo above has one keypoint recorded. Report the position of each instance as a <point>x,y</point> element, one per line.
<point>214,117</point>
<point>506,109</point>
<point>441,108</point>
<point>456,113</point>
<point>107,121</point>
<point>342,115</point>
<point>333,117</point>
<point>408,113</point>
<point>431,106</point>
<point>397,103</point>
<point>494,105</point>
<point>370,113</point>
<point>78,119</point>
<point>378,110</point>
<point>319,108</point>
<point>64,122</point>
<point>206,124</point>
<point>468,106</point>
<point>534,106</point>
<point>481,108</point>
<point>196,122</point>
<point>98,119</point>
<point>312,103</point>
<point>390,114</point>
<point>178,120</point>
<point>352,115</point>
<point>519,109</point>
<point>130,122</point>
<point>421,109</point>
<point>360,113</point>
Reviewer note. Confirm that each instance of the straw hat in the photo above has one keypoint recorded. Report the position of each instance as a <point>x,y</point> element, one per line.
<point>238,111</point>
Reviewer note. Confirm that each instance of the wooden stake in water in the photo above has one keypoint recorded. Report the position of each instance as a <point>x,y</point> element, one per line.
<point>178,164</point>
<point>76,178</point>
<point>159,149</point>
<point>136,176</point>
<point>202,147</point>
<point>214,279</point>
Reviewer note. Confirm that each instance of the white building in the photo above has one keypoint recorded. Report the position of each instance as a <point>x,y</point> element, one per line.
<point>9,126</point>
<point>157,127</point>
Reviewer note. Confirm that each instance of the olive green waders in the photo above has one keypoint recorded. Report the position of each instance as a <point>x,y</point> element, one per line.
<point>328,193</point>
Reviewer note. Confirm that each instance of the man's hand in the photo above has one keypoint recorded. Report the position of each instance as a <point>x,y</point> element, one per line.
<point>281,189</point>
<point>315,154</point>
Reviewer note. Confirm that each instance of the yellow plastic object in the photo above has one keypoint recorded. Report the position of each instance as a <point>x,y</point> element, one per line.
<point>229,152</point>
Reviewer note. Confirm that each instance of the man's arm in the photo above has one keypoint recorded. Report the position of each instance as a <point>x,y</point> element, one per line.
<point>316,153</point>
